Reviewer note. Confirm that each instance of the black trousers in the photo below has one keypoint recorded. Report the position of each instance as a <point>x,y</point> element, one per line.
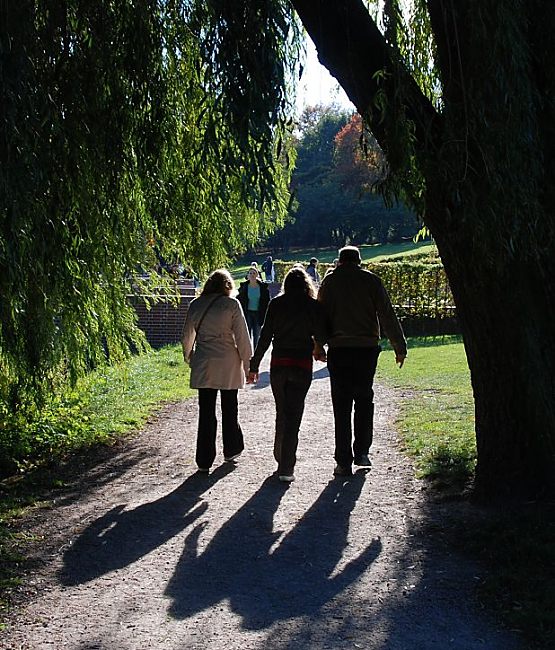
<point>352,373</point>
<point>208,424</point>
<point>289,386</point>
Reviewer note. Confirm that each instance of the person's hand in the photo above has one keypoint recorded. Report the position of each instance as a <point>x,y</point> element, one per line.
<point>400,359</point>
<point>252,377</point>
<point>319,353</point>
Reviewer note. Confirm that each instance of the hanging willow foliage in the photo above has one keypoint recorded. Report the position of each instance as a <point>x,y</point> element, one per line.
<point>489,123</point>
<point>122,140</point>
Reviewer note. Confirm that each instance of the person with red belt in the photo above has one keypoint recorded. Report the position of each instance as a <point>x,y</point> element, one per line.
<point>293,320</point>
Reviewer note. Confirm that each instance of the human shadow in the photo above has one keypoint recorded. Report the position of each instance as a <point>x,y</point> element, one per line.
<point>267,576</point>
<point>121,537</point>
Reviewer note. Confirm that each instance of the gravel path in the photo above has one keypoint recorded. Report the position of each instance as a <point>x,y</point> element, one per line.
<point>143,552</point>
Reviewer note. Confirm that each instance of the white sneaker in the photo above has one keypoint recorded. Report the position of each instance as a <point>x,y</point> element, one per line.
<point>286,478</point>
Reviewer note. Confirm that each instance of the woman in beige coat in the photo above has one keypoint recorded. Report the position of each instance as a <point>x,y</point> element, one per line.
<point>215,327</point>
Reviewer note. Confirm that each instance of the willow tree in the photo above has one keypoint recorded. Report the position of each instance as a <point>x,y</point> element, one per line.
<point>461,97</point>
<point>117,144</point>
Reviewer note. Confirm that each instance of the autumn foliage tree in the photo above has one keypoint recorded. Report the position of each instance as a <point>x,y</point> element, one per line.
<point>359,161</point>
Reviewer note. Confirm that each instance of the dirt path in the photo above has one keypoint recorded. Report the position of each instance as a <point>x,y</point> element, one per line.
<point>143,552</point>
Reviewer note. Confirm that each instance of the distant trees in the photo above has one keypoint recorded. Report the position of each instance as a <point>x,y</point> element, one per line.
<point>337,169</point>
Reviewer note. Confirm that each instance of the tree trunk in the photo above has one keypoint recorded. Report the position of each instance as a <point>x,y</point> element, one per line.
<point>507,323</point>
<point>496,244</point>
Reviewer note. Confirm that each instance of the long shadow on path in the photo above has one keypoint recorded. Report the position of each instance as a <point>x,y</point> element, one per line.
<point>265,576</point>
<point>121,537</point>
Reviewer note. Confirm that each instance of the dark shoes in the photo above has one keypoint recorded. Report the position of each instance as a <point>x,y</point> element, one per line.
<point>363,461</point>
<point>342,471</point>
<point>230,459</point>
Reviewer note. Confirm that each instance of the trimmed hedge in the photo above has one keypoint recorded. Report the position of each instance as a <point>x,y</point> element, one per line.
<point>418,289</point>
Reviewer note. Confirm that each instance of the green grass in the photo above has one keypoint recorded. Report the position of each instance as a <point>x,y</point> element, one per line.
<point>104,404</point>
<point>437,423</point>
<point>121,398</point>
<point>109,403</point>
<point>515,543</point>
<point>374,252</point>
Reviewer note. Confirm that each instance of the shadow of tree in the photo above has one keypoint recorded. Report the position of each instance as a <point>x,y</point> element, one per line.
<point>267,576</point>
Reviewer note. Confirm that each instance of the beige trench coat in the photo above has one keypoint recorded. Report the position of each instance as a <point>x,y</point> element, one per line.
<point>223,347</point>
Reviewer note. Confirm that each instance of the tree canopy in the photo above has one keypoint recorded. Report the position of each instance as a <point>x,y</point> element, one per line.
<point>132,122</point>
<point>122,139</point>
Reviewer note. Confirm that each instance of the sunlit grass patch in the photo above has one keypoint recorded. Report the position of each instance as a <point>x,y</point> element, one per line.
<point>436,420</point>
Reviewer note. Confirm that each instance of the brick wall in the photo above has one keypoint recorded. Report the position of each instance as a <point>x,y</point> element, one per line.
<point>163,323</point>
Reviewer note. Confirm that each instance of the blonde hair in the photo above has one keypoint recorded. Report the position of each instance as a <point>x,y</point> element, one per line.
<point>219,281</point>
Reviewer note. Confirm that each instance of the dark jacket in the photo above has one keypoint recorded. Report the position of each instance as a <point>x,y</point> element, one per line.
<point>357,308</point>
<point>291,322</point>
<point>243,298</point>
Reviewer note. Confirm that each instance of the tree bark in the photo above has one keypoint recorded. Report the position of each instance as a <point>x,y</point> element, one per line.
<point>507,325</point>
<point>352,48</point>
<point>502,284</point>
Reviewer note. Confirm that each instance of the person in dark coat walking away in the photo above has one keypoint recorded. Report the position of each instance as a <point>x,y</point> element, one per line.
<point>357,308</point>
<point>268,268</point>
<point>312,270</point>
<point>293,320</point>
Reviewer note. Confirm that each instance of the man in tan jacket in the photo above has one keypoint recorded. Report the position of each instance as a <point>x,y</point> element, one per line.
<point>357,308</point>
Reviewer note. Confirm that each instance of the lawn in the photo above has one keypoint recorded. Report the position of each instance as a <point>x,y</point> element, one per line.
<point>373,252</point>
<point>437,423</point>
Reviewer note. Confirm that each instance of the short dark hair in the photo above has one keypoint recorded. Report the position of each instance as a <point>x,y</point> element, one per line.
<point>313,260</point>
<point>349,255</point>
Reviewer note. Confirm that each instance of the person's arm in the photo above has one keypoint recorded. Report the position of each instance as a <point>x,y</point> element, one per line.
<point>319,331</point>
<point>188,337</point>
<point>323,332</point>
<point>391,325</point>
<point>264,301</point>
<point>241,334</point>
